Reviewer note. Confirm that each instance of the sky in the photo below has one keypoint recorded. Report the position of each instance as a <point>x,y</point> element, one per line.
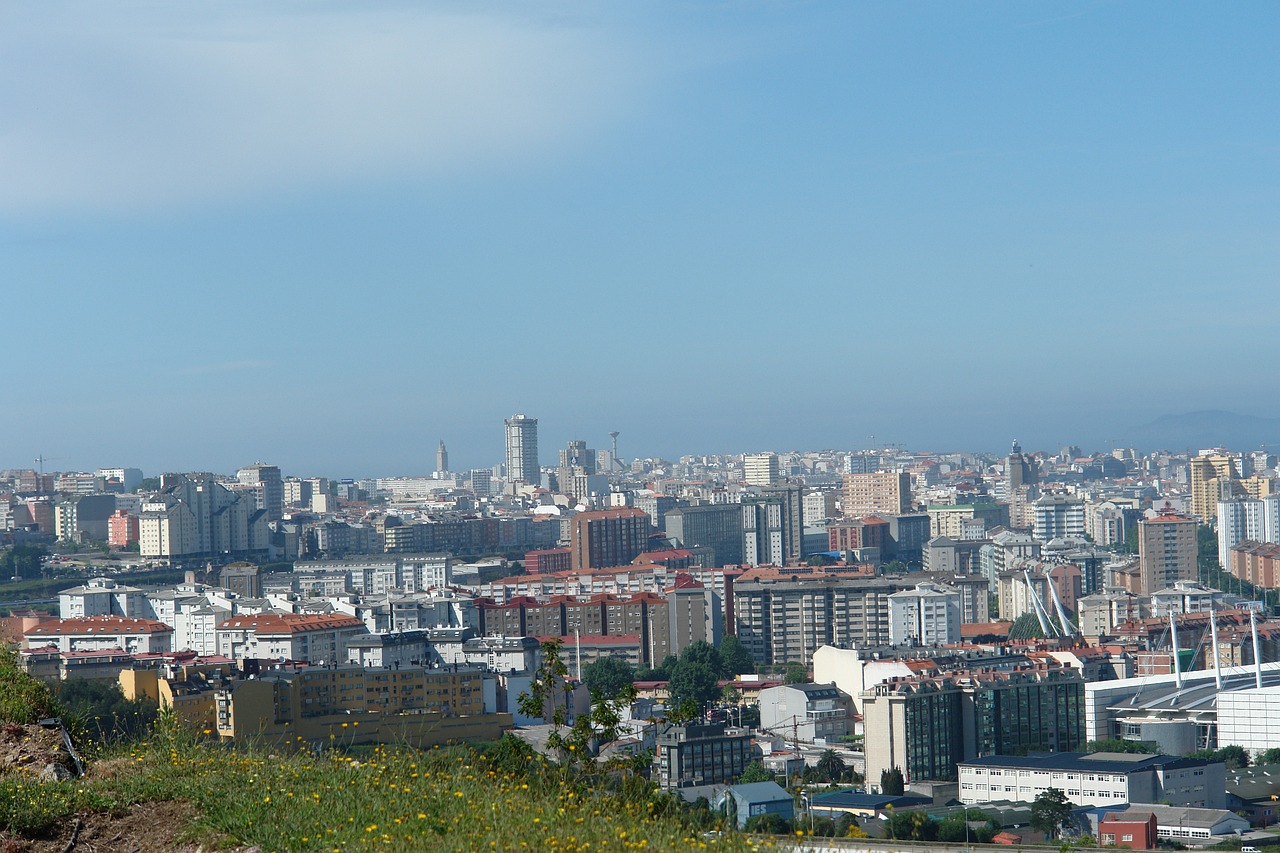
<point>328,235</point>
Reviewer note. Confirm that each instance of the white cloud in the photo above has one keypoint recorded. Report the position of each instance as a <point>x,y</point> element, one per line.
<point>154,105</point>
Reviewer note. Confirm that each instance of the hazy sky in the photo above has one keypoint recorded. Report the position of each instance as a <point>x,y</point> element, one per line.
<point>329,234</point>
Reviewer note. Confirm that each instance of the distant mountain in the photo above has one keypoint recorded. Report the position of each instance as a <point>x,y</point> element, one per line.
<point>1197,430</point>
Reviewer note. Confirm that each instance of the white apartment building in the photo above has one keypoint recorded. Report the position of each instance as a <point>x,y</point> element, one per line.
<point>1058,516</point>
<point>761,469</point>
<point>1255,519</point>
<point>925,616</point>
<point>104,597</point>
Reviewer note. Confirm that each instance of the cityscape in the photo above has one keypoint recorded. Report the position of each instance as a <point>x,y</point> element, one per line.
<point>1102,624</point>
<point>596,426</point>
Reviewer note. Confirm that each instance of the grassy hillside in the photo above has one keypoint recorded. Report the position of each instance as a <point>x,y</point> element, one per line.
<point>383,799</point>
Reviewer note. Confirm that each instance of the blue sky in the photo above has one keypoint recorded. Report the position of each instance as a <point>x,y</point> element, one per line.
<point>329,234</point>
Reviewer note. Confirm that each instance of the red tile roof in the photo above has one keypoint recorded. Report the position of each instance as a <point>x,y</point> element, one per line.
<point>98,625</point>
<point>289,623</point>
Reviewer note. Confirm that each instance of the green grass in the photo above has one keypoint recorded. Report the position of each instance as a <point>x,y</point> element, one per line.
<point>396,799</point>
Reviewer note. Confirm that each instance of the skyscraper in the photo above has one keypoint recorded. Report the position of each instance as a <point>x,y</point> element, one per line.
<point>522,450</point>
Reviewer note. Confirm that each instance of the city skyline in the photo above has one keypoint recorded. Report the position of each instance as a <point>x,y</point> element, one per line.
<point>330,237</point>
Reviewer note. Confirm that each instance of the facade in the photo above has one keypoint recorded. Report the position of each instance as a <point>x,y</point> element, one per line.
<point>928,615</point>
<point>608,537</point>
<point>927,725</point>
<point>712,529</point>
<point>522,450</point>
<point>288,637</point>
<point>949,519</point>
<point>812,713</point>
<point>122,529</point>
<point>877,493</point>
<point>1133,829</point>
<point>754,799</point>
<point>1246,520</point>
<point>102,633</point>
<point>267,478</point>
<point>761,469</point>
<point>1095,779</point>
<point>699,754</point>
<point>104,597</point>
<point>1212,476</point>
<point>781,621</point>
<point>772,527</point>
<point>1166,551</point>
<point>1058,516</point>
<point>1257,563</point>
<point>356,705</point>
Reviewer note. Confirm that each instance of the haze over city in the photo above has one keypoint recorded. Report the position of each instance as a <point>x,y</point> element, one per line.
<point>331,235</point>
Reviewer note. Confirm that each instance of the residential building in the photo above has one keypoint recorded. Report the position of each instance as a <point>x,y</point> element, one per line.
<point>102,633</point>
<point>925,616</point>
<point>1058,516</point>
<point>311,639</point>
<point>1166,551</point>
<point>353,705</point>
<point>1246,520</point>
<point>122,529</point>
<point>1213,477</point>
<point>1095,779</point>
<point>772,527</point>
<point>267,477</point>
<point>522,450</point>
<point>1257,563</point>
<point>761,469</point>
<point>104,597</point>
<point>877,493</point>
<point>808,713</point>
<point>949,519</point>
<point>608,537</point>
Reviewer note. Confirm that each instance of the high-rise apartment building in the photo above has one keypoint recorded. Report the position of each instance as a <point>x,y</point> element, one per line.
<point>877,493</point>
<point>761,469</point>
<point>1212,479</point>
<point>608,537</point>
<point>268,478</point>
<point>928,615</point>
<point>1166,551</point>
<point>1246,519</point>
<point>522,450</point>
<point>1057,516</point>
<point>772,527</point>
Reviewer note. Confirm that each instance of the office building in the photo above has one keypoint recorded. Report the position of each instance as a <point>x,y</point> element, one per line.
<point>810,713</point>
<point>877,493</point>
<point>712,531</point>
<point>926,725</point>
<point>522,450</point>
<point>1095,779</point>
<point>693,755</point>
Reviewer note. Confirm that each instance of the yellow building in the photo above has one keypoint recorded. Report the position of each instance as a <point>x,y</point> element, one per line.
<point>876,493</point>
<point>187,689</point>
<point>1213,476</point>
<point>358,705</point>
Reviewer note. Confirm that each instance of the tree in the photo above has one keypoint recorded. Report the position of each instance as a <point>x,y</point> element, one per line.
<point>22,562</point>
<point>770,823</point>
<point>693,683</point>
<point>100,710</point>
<point>1235,757</point>
<point>1117,745</point>
<point>1050,811</point>
<point>892,783</point>
<point>755,772</point>
<point>795,673</point>
<point>606,678</point>
<point>1269,756</point>
<point>705,654</point>
<point>830,767</point>
<point>574,743</point>
<point>895,567</point>
<point>735,657</point>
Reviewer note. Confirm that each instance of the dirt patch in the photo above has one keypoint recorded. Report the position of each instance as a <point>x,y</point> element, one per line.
<point>145,828</point>
<point>35,752</point>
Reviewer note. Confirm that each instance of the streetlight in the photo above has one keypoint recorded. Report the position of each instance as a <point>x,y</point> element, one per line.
<point>808,806</point>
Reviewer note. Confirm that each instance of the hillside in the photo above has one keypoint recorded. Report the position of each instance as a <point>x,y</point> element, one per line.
<point>181,792</point>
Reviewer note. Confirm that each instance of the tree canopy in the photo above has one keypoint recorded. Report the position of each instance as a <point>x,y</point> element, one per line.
<point>607,678</point>
<point>892,782</point>
<point>735,658</point>
<point>1050,811</point>
<point>692,683</point>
